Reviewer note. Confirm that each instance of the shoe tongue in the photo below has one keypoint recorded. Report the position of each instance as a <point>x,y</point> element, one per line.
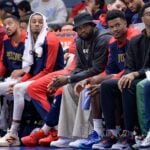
<point>126,136</point>
<point>8,131</point>
<point>127,133</point>
<point>111,133</point>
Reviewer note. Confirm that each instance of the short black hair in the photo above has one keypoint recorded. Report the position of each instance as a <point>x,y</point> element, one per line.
<point>11,16</point>
<point>113,14</point>
<point>146,5</point>
<point>100,3</point>
<point>7,6</point>
<point>24,19</point>
<point>24,5</point>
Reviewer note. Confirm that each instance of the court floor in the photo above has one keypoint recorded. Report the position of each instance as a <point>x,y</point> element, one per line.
<point>49,148</point>
<point>34,148</point>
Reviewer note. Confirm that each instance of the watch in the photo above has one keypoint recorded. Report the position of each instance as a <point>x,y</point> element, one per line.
<point>69,79</point>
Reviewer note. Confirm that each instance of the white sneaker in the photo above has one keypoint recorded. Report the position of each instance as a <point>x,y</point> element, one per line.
<point>146,142</point>
<point>76,143</point>
<point>62,142</point>
<point>98,146</point>
<point>9,140</point>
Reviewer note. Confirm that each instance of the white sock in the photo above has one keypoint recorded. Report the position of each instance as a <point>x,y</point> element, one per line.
<point>14,128</point>
<point>46,129</point>
<point>98,126</point>
<point>118,128</point>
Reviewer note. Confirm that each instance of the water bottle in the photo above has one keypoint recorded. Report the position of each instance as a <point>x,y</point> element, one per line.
<point>86,99</point>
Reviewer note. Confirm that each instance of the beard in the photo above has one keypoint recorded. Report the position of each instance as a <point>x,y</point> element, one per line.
<point>11,35</point>
<point>87,36</point>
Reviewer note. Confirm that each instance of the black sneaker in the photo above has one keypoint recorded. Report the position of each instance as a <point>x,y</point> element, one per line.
<point>125,141</point>
<point>106,142</point>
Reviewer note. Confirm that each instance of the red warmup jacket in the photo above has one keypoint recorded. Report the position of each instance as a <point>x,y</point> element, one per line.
<point>2,68</point>
<point>53,46</point>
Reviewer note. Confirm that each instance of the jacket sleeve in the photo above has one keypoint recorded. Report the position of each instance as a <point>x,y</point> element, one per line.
<point>132,57</point>
<point>111,65</point>
<point>26,77</point>
<point>2,66</point>
<point>129,60</point>
<point>53,46</point>
<point>99,61</point>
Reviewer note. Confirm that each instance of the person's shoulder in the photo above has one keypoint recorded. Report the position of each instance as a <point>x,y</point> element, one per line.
<point>103,36</point>
<point>23,36</point>
<point>132,32</point>
<point>51,38</point>
<point>2,30</point>
<point>136,39</point>
<point>6,38</point>
<point>103,33</point>
<point>112,41</point>
<point>51,35</point>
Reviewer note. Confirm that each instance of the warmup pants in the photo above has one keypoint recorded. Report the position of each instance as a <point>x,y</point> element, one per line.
<point>109,93</point>
<point>51,117</point>
<point>38,89</point>
<point>130,106</point>
<point>20,94</point>
<point>73,121</point>
<point>147,103</point>
<point>141,106</point>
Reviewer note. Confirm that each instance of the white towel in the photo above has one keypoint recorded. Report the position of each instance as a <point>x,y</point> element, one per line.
<point>31,47</point>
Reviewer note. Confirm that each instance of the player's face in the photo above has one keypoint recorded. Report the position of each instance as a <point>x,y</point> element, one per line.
<point>85,31</point>
<point>117,27</point>
<point>11,26</point>
<point>36,24</point>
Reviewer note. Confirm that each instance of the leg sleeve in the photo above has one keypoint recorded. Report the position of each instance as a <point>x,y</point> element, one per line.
<point>5,84</point>
<point>19,92</point>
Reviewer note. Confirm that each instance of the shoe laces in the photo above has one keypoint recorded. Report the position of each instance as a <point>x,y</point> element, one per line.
<point>92,135</point>
<point>125,137</point>
<point>108,138</point>
<point>53,132</point>
<point>37,134</point>
<point>10,133</point>
<point>139,139</point>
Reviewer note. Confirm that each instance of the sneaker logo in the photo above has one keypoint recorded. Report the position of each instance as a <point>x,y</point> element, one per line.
<point>11,140</point>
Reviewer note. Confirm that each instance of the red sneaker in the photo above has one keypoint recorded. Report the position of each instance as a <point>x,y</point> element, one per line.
<point>51,137</point>
<point>33,138</point>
